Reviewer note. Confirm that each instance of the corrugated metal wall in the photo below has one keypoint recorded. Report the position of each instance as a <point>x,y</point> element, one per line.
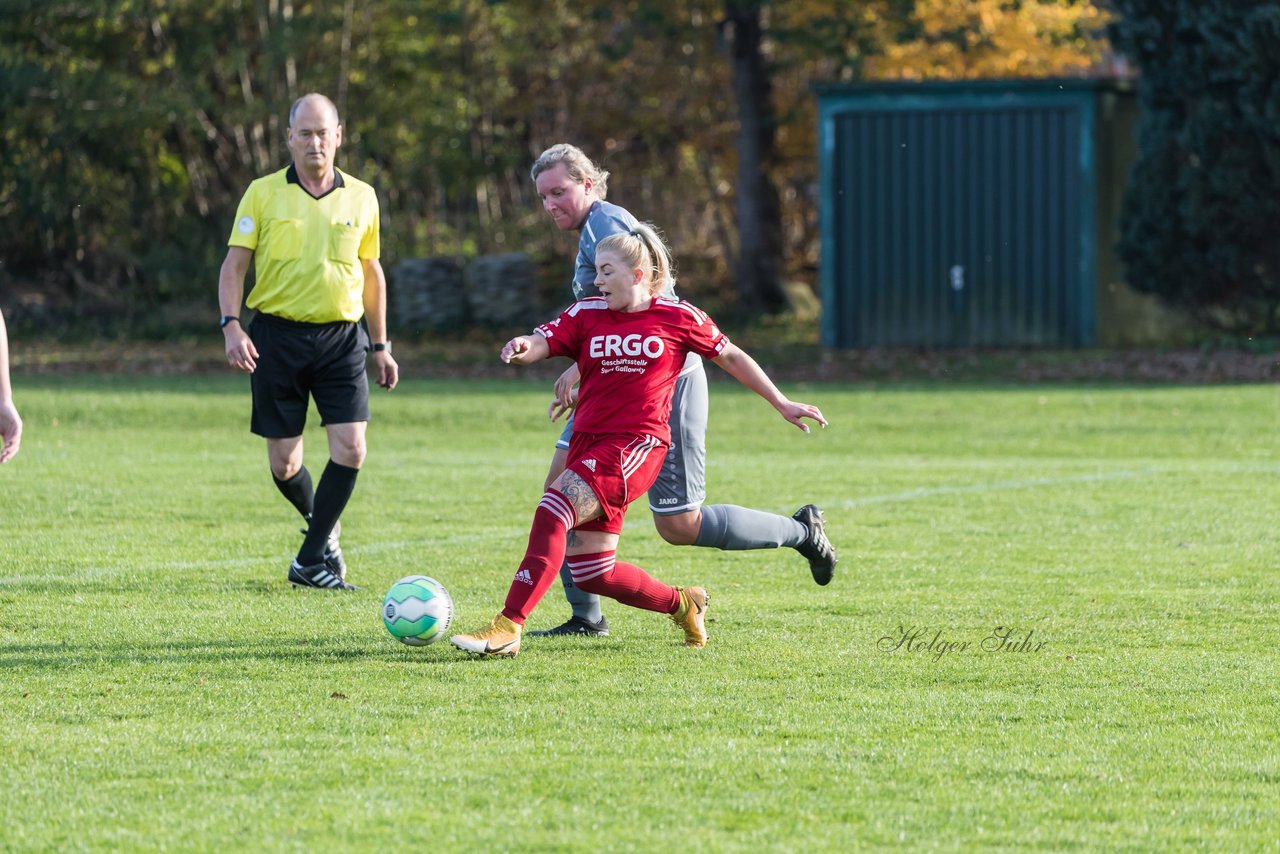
<point>959,220</point>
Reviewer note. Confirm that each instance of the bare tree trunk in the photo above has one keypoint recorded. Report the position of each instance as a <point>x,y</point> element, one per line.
<point>344,61</point>
<point>718,212</point>
<point>472,58</point>
<point>756,272</point>
<point>290,61</point>
<point>256,139</point>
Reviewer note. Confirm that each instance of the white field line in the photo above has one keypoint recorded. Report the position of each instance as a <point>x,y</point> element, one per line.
<point>991,486</point>
<point>850,503</point>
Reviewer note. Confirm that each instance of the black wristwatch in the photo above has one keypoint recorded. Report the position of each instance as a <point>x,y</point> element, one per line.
<point>379,348</point>
<point>227,318</point>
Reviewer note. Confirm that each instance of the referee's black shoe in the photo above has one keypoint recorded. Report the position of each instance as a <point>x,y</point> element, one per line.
<point>577,626</point>
<point>816,547</point>
<point>333,551</point>
<point>319,576</point>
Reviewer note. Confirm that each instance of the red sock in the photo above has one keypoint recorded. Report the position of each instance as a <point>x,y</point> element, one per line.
<point>551,523</point>
<point>600,573</point>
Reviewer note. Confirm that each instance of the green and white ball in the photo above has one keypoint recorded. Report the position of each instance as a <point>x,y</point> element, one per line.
<point>417,610</point>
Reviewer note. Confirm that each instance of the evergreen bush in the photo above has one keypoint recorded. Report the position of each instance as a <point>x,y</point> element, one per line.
<point>1199,224</point>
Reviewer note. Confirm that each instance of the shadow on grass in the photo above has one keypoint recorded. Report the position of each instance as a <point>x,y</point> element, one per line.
<point>112,584</point>
<point>275,651</point>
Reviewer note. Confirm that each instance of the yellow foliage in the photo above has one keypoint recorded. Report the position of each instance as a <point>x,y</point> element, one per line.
<point>944,39</point>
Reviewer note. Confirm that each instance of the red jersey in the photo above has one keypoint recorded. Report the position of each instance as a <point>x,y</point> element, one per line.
<point>630,360</point>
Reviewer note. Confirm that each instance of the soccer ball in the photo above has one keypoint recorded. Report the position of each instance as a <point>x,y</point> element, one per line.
<point>417,610</point>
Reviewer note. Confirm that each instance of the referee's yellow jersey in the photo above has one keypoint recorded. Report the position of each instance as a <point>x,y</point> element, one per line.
<point>307,251</point>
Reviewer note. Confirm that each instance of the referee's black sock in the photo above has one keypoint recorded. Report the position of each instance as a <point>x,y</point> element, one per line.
<point>332,495</point>
<point>299,491</point>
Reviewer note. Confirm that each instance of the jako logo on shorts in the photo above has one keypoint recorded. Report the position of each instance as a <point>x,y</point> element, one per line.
<point>604,346</point>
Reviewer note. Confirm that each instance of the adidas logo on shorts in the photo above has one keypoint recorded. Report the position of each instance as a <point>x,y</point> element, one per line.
<point>523,575</point>
<point>591,464</point>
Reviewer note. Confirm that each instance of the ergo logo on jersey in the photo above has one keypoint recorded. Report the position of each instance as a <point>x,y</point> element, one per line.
<point>605,346</point>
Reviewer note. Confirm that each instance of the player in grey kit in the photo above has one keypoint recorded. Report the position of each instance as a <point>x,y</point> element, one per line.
<point>572,189</point>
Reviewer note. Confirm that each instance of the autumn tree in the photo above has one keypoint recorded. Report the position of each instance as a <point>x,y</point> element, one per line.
<point>132,128</point>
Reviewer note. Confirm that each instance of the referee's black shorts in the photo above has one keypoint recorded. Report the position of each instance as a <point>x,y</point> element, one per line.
<point>295,359</point>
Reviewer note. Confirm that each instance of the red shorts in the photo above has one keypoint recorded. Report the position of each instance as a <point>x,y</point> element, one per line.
<point>619,468</point>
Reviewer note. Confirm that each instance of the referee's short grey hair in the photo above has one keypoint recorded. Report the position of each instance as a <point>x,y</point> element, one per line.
<point>578,166</point>
<point>293,111</point>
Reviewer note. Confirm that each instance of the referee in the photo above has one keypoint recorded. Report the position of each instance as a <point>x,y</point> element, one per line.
<point>311,231</point>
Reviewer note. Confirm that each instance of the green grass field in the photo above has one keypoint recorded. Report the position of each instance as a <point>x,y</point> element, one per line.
<point>162,687</point>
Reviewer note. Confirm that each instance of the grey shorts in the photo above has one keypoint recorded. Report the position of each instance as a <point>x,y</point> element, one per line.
<point>682,483</point>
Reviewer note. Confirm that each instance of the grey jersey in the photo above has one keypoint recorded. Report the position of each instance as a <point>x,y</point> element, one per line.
<point>603,219</point>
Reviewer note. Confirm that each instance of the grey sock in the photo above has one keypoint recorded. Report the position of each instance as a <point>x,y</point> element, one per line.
<point>585,605</point>
<point>732,528</point>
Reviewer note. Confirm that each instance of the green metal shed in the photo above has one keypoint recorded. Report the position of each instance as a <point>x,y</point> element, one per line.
<point>975,213</point>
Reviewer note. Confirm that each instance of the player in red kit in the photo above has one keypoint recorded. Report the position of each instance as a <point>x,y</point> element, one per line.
<point>630,345</point>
